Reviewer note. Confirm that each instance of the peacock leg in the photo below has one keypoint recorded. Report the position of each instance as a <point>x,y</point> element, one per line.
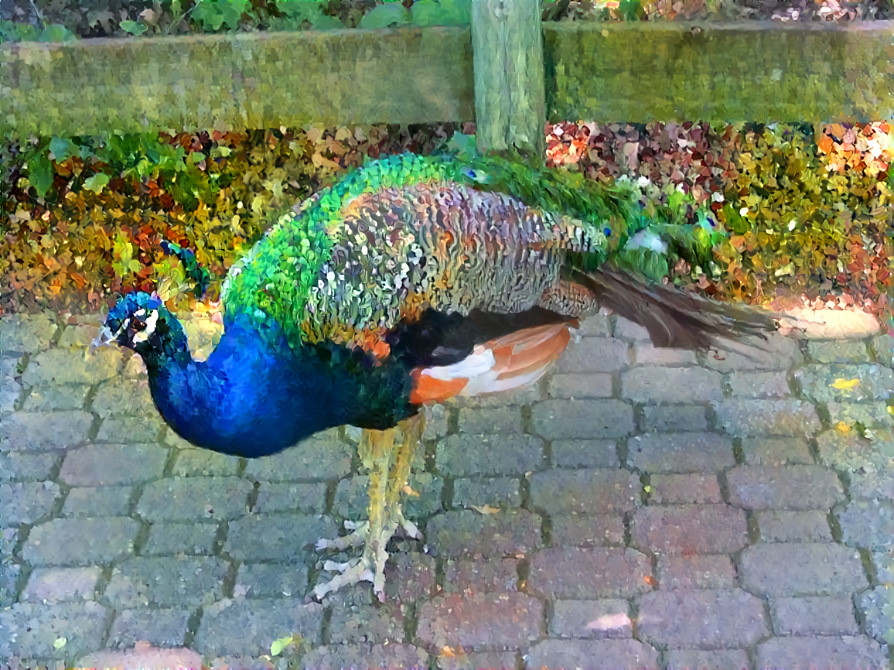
<point>411,437</point>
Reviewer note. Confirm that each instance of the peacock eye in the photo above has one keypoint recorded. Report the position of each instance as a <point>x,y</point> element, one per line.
<point>137,324</point>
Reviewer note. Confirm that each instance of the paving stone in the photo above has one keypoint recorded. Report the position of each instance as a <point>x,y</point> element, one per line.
<point>822,569</point>
<point>803,653</point>
<point>584,454</point>
<point>365,656</point>
<point>352,623</point>
<point>409,576</point>
<point>582,491</point>
<point>111,464</point>
<point>838,382</point>
<point>661,384</point>
<point>59,584</point>
<point>168,539</point>
<point>466,455</point>
<point>587,530</point>
<point>194,498</point>
<point>318,458</point>
<point>661,418</point>
<point>867,523</point>
<point>466,533</point>
<point>875,607</point>
<point>78,336</point>
<point>813,616</point>
<point>26,502</point>
<point>684,529</point>
<point>594,354</point>
<point>590,619</point>
<point>271,580</point>
<point>589,419</point>
<point>645,353</point>
<point>166,582</point>
<point>352,497</point>
<point>80,541</point>
<point>580,385</point>
<point>696,571</point>
<point>53,398</point>
<point>775,353</point>
<point>123,396</point>
<point>192,462</point>
<point>776,451</point>
<point>629,330</point>
<point>601,572</point>
<point>26,333</point>
<point>596,325</point>
<point>124,429</point>
<point>703,619</point>
<point>750,417</point>
<point>476,660</point>
<point>681,489</point>
<point>595,654</point>
<point>786,487</point>
<point>160,627</point>
<point>481,575</point>
<point>43,431</point>
<point>437,422</point>
<point>291,497</point>
<point>713,659</point>
<point>26,465</point>
<point>493,491</point>
<point>11,388</point>
<point>849,451</point>
<point>480,621</point>
<point>837,351</point>
<point>30,630</point>
<point>883,345</point>
<point>789,526</point>
<point>873,414</point>
<point>90,501</point>
<point>682,452</point>
<point>883,562</point>
<point>749,384</point>
<point>62,366</point>
<point>9,577</point>
<point>280,537</point>
<point>490,420</point>
<point>249,626</point>
<point>511,398</point>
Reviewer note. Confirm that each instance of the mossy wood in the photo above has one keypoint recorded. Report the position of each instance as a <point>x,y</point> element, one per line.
<point>603,72</point>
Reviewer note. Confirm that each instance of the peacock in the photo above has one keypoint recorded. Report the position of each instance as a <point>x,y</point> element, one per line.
<point>411,280</point>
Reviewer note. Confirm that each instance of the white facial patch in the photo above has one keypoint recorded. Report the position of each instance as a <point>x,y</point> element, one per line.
<point>146,333</point>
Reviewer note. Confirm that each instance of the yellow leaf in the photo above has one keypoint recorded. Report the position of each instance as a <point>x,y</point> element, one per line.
<point>485,509</point>
<point>843,427</point>
<point>845,384</point>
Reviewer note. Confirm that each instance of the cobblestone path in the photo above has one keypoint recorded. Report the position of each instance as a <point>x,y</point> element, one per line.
<point>639,508</point>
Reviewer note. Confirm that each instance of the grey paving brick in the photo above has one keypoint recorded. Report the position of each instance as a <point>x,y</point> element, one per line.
<point>291,497</point>
<point>31,629</point>
<point>663,384</point>
<point>490,420</point>
<point>52,398</point>
<point>595,354</point>
<point>872,414</point>
<point>166,582</point>
<point>584,453</point>
<point>279,537</point>
<point>161,627</point>
<point>683,452</point>
<point>786,487</point>
<point>645,353</point>
<point>867,523</point>
<point>596,325</point>
<point>80,541</point>
<point>271,580</point>
<point>696,571</point>
<point>601,572</point>
<point>249,626</point>
<point>318,458</point>
<point>124,429</point>
<point>437,422</point>
<point>775,353</point>
<point>589,419</point>
<point>801,653</point>
<point>660,418</point>
<point>480,621</point>
<point>193,462</point>
<point>883,345</point>
<point>123,396</point>
<point>580,385</point>
<point>703,619</point>
<point>43,431</point>
<point>671,489</point>
<point>838,351</point>
<point>9,577</point>
<point>63,366</point>
<point>839,382</point>
<point>587,530</point>
<point>883,562</point>
<point>60,584</point>
<point>752,384</point>
<point>466,455</point>
<point>849,451</point>
<point>352,623</point>
<point>822,569</point>
<point>352,497</point>
<point>26,502</point>
<point>493,491</point>
<point>875,608</point>
<point>488,575</point>
<point>466,533</point>
<point>813,616</point>
<point>111,464</point>
<point>173,499</point>
<point>683,529</point>
<point>596,654</point>
<point>629,330</point>
<point>11,388</point>
<point>365,656</point>
<point>582,491</point>
<point>775,451</point>
<point>79,335</point>
<point>168,539</point>
<point>751,417</point>
<point>26,465</point>
<point>792,526</point>
<point>91,501</point>
<point>601,619</point>
<point>713,659</point>
<point>409,576</point>
<point>26,333</point>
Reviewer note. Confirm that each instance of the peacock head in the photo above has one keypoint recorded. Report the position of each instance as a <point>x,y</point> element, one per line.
<point>137,322</point>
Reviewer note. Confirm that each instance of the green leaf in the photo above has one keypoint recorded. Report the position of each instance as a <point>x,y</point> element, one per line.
<point>97,182</point>
<point>133,27</point>
<point>56,33</point>
<point>441,13</point>
<point>60,642</point>
<point>277,646</point>
<point>386,15</point>
<point>61,148</point>
<point>40,174</point>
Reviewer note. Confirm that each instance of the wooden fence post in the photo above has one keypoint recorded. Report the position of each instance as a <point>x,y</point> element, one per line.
<point>507,47</point>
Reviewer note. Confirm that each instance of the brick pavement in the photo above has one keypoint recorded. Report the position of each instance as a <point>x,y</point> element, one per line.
<point>639,508</point>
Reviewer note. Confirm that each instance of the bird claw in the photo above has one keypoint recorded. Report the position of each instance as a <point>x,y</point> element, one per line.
<point>352,572</point>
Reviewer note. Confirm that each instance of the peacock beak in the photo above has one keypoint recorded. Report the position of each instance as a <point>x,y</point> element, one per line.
<point>105,338</point>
